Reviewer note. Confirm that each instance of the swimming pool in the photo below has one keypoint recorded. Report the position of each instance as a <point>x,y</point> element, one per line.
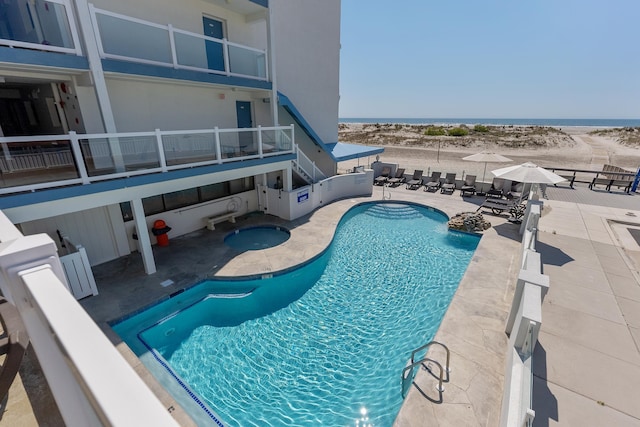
<point>257,238</point>
<point>324,344</point>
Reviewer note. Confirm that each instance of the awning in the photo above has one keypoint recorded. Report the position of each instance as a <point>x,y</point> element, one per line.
<point>341,151</point>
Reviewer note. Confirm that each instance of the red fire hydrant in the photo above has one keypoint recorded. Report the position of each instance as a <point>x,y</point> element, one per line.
<point>160,230</point>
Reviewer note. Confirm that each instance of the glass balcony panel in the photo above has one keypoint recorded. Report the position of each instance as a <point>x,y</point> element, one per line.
<point>276,140</point>
<point>105,156</point>
<point>39,22</point>
<point>191,51</point>
<point>247,62</point>
<point>134,40</point>
<point>189,148</point>
<point>27,163</point>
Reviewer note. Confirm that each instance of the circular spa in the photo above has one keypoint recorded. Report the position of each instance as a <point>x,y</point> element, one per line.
<point>256,238</point>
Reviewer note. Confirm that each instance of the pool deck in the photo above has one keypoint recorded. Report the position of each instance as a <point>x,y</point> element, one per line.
<point>587,362</point>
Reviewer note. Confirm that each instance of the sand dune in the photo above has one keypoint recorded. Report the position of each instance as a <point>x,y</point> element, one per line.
<point>565,147</point>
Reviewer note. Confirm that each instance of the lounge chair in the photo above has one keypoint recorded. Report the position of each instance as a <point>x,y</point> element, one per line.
<point>434,182</point>
<point>415,181</point>
<point>397,179</point>
<point>449,184</point>
<point>498,187</point>
<point>516,190</point>
<point>469,185</point>
<point>497,206</point>
<point>384,175</point>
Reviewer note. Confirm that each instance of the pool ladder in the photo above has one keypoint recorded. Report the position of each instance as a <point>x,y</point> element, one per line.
<point>408,372</point>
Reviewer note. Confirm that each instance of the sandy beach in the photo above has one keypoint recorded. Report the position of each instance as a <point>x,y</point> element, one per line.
<point>563,147</point>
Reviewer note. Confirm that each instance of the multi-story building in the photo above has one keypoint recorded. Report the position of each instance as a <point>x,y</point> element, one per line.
<point>118,113</point>
<point>114,114</point>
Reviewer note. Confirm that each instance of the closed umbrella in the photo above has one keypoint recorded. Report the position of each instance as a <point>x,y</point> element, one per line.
<point>528,173</point>
<point>487,157</point>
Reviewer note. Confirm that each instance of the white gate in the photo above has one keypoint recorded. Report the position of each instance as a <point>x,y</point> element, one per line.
<point>78,271</point>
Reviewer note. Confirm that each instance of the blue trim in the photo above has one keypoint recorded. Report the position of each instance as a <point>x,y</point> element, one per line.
<point>49,59</point>
<point>263,3</point>
<point>125,67</point>
<point>25,199</point>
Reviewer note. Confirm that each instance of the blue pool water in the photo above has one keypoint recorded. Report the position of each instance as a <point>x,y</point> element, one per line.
<point>256,238</point>
<point>324,344</point>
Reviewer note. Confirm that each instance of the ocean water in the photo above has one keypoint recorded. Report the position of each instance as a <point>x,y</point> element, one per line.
<point>527,122</point>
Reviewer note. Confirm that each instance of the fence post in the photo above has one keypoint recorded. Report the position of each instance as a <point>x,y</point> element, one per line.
<point>260,152</point>
<point>77,153</point>
<point>163,159</point>
<point>225,51</point>
<point>216,133</point>
<point>172,46</point>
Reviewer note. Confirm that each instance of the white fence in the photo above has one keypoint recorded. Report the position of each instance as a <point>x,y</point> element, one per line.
<point>523,326</point>
<point>77,270</point>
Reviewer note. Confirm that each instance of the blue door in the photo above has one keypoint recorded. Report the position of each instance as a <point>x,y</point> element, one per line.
<point>243,113</point>
<point>215,57</point>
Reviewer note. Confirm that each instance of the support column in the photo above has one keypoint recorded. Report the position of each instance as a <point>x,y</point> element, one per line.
<point>272,67</point>
<point>288,179</point>
<point>143,236</point>
<point>97,74</point>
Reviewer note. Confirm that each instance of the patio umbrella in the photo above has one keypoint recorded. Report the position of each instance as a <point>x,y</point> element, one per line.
<point>486,157</point>
<point>528,173</point>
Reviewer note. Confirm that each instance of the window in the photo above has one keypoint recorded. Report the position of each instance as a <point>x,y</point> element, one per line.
<point>192,196</point>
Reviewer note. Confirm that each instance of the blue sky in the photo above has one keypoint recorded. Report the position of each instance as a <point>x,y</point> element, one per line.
<point>490,59</point>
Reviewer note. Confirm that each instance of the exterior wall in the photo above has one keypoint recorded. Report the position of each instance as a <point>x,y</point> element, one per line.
<point>307,50</point>
<point>90,228</point>
<point>309,148</point>
<point>147,105</point>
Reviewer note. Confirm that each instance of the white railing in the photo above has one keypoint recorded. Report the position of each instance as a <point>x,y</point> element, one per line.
<point>87,158</point>
<point>135,40</point>
<point>56,33</point>
<point>523,326</point>
<point>91,382</point>
<point>307,168</point>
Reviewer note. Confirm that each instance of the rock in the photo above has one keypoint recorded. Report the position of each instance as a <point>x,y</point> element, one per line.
<point>470,222</point>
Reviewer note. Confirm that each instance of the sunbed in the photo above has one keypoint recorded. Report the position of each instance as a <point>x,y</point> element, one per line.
<point>449,184</point>
<point>415,181</point>
<point>384,175</point>
<point>434,182</point>
<point>397,179</point>
<point>469,185</point>
<point>498,187</point>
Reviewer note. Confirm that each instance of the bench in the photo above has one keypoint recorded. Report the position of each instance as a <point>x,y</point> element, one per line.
<point>226,216</point>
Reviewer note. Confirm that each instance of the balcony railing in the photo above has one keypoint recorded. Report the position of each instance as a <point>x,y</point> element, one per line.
<point>130,39</point>
<point>42,25</point>
<point>38,162</point>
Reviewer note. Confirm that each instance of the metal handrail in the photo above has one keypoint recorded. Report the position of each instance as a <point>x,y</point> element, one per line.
<point>405,376</point>
<point>407,371</point>
<point>429,344</point>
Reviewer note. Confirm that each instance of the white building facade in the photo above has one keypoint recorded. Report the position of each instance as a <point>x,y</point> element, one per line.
<point>115,114</point>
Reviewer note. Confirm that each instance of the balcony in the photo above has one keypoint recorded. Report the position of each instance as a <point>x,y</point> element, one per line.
<point>51,26</point>
<point>42,25</point>
<point>129,39</point>
<point>40,162</point>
